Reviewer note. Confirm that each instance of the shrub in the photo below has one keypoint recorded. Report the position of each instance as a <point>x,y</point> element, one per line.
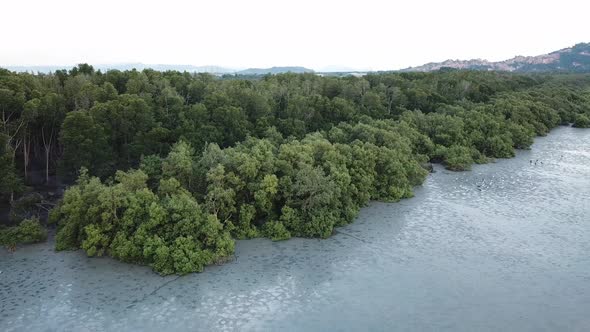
<point>276,231</point>
<point>28,231</point>
<point>25,207</point>
<point>458,158</point>
<point>168,231</point>
<point>582,121</point>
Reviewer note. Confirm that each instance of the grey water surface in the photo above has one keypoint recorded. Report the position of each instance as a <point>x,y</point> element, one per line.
<point>505,247</point>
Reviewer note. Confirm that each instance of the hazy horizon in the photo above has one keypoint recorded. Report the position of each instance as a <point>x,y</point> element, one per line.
<point>259,34</point>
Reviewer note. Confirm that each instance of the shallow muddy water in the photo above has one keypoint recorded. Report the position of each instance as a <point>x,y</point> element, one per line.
<point>503,247</point>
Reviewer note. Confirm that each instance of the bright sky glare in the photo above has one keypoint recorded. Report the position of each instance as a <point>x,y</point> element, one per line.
<point>367,34</point>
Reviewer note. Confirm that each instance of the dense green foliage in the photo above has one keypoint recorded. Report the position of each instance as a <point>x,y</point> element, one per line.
<point>27,231</point>
<point>166,228</point>
<point>178,164</point>
<point>26,207</point>
<point>582,121</point>
<point>10,182</point>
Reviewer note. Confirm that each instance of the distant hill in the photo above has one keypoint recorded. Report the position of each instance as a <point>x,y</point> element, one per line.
<point>274,70</point>
<point>571,59</point>
<point>164,67</point>
<point>40,69</point>
<point>129,66</point>
<point>339,69</point>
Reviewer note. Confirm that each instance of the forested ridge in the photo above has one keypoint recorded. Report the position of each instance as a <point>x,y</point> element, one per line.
<point>171,167</point>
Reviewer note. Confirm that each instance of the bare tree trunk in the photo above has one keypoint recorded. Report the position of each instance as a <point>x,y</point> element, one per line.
<point>26,152</point>
<point>47,165</point>
<point>47,146</point>
<point>12,140</point>
<point>17,143</point>
<point>389,104</point>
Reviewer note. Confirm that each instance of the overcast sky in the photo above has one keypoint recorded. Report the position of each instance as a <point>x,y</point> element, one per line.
<point>364,34</point>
